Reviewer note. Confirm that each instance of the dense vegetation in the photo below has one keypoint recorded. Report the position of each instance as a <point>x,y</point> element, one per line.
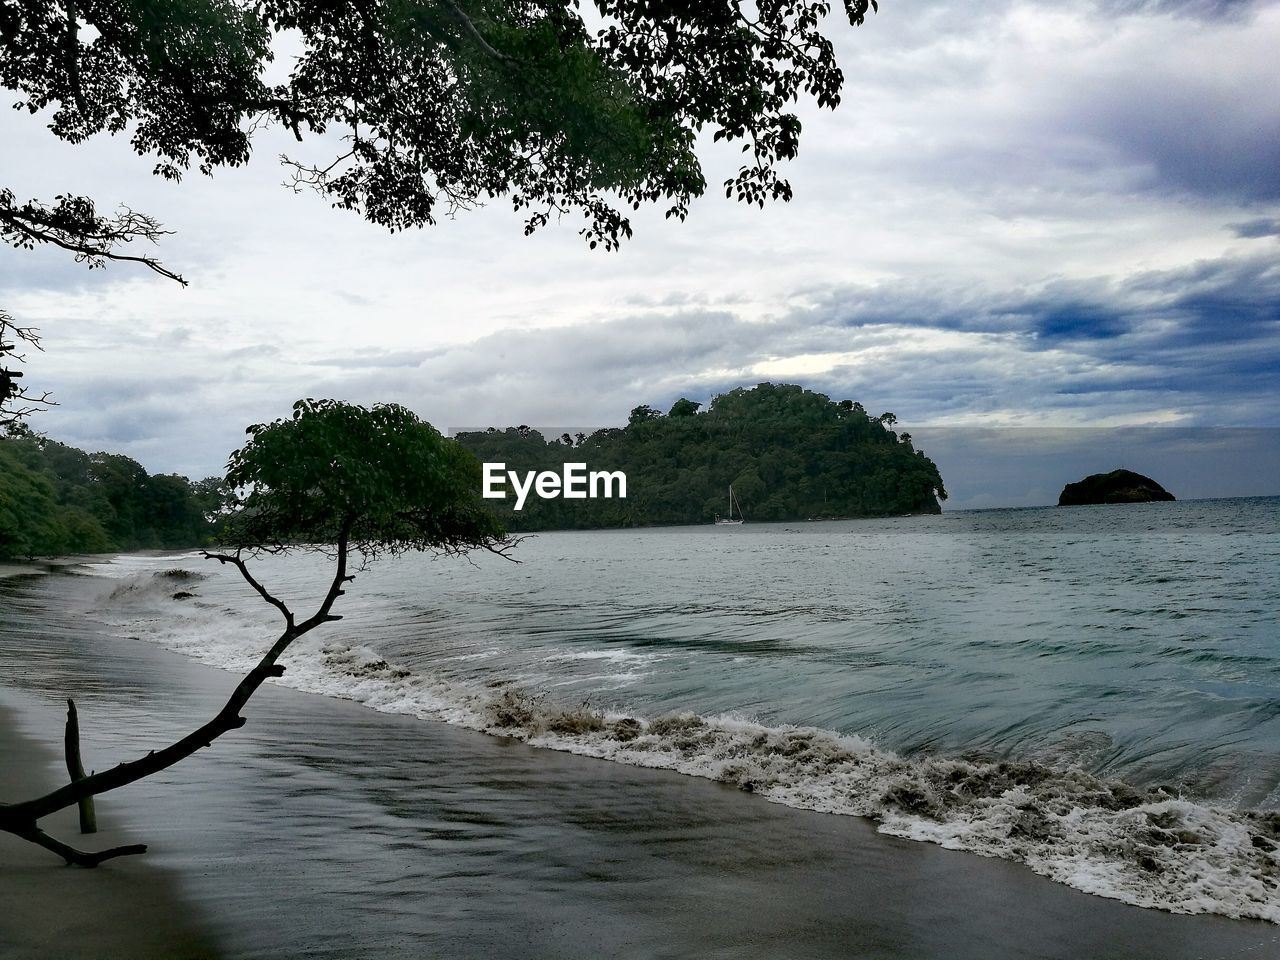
<point>790,454</point>
<point>57,499</point>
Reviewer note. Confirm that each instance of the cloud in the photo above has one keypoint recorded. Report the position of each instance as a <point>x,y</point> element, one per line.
<point>1261,227</point>
<point>1037,106</point>
<point>1195,9</point>
<point>1194,345</point>
<point>1052,213</point>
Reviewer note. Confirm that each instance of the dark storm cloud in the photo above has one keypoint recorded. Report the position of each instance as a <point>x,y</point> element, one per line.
<point>1262,227</point>
<point>1199,9</point>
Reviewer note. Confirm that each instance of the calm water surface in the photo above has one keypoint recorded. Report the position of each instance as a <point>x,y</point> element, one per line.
<point>1136,641</point>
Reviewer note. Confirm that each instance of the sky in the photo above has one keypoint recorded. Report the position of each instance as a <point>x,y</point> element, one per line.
<point>1024,215</point>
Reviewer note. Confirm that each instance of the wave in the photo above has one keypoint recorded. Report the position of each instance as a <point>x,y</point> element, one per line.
<point>1148,847</point>
<point>175,583</point>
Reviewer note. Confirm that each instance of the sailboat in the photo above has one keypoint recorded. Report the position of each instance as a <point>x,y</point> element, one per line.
<point>733,502</point>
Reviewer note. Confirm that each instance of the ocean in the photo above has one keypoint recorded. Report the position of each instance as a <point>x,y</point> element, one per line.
<point>1091,692</point>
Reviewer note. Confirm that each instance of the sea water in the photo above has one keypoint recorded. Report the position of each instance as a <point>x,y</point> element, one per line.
<point>1091,691</point>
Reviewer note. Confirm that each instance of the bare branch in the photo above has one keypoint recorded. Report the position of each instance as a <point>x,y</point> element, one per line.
<point>78,857</point>
<point>504,547</point>
<point>75,769</point>
<point>237,560</point>
<point>17,402</point>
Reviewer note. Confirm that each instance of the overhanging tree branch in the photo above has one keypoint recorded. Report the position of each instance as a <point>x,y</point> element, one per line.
<point>237,560</point>
<point>74,225</point>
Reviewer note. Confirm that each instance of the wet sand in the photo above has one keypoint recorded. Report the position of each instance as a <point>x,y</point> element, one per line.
<point>126,910</point>
<point>23,568</point>
<point>324,829</point>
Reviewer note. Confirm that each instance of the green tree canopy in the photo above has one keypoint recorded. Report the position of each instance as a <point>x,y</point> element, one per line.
<point>56,499</point>
<point>437,104</point>
<point>790,454</point>
<point>378,479</point>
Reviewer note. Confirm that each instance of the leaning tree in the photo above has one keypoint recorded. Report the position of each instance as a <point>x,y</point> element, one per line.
<point>349,482</point>
<point>404,109</point>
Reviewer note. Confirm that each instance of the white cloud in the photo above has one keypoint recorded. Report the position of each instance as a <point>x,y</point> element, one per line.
<point>984,169</point>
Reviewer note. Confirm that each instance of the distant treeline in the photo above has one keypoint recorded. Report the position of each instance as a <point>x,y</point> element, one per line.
<point>789,453</point>
<point>57,499</point>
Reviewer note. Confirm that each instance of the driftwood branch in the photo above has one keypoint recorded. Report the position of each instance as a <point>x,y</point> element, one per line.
<point>21,818</point>
<point>76,857</point>
<point>75,769</point>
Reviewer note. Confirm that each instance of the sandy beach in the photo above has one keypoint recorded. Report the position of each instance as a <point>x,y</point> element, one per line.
<point>127,910</point>
<point>325,829</point>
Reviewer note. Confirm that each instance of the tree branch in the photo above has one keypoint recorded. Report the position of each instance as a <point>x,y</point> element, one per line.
<point>20,818</point>
<point>73,224</point>
<point>11,394</point>
<point>469,26</point>
<point>75,769</point>
<point>78,857</point>
<point>73,61</point>
<point>238,561</point>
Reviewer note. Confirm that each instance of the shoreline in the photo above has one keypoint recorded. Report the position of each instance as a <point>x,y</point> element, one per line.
<point>125,908</point>
<point>39,566</point>
<point>325,827</point>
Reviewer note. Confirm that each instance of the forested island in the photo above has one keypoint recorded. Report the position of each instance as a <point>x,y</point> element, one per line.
<point>57,499</point>
<point>790,454</point>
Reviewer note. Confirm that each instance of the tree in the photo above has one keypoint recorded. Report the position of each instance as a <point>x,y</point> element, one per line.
<point>334,478</point>
<point>790,453</point>
<point>643,414</point>
<point>440,105</point>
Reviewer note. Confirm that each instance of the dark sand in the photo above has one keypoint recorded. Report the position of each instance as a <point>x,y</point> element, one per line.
<point>324,829</point>
<point>126,910</point>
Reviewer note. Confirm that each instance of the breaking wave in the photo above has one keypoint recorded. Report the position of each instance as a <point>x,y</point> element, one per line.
<point>1148,847</point>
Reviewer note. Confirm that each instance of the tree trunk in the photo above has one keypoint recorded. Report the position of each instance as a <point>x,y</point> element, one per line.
<point>75,769</point>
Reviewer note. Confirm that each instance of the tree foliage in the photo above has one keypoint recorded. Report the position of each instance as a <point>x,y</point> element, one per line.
<point>790,453</point>
<point>380,477</point>
<point>56,499</point>
<point>438,102</point>
<point>407,109</point>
